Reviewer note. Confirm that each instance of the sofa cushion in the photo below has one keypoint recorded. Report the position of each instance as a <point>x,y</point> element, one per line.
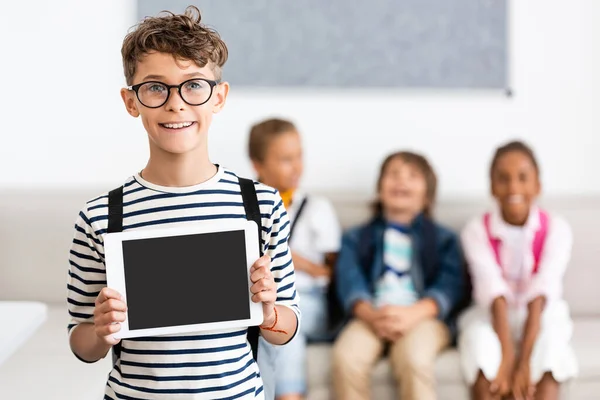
<point>585,343</point>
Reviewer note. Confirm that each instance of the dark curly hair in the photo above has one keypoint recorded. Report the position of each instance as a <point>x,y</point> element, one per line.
<point>514,146</point>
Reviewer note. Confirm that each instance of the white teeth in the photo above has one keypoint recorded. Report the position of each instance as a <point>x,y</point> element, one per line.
<point>516,198</point>
<point>177,126</point>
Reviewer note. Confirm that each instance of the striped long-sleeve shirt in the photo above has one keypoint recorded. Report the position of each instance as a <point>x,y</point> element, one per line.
<point>207,365</point>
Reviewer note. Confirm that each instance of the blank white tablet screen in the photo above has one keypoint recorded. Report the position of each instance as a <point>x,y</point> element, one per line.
<point>188,279</point>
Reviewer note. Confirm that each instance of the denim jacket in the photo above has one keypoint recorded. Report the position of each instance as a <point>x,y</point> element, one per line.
<point>443,277</point>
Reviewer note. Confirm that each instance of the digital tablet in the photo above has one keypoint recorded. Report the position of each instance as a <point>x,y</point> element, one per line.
<point>184,279</point>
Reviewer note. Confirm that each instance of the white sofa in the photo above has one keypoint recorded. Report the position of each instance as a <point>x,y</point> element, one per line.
<point>35,234</point>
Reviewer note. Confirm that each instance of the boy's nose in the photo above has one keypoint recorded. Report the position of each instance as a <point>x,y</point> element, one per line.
<point>175,102</point>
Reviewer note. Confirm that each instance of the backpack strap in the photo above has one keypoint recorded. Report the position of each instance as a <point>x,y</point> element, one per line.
<point>115,210</point>
<point>494,242</point>
<point>538,240</point>
<point>252,214</point>
<point>297,217</point>
<point>115,225</point>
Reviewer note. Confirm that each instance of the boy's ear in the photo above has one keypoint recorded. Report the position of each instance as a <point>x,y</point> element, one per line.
<point>128,97</point>
<point>257,167</point>
<point>220,96</point>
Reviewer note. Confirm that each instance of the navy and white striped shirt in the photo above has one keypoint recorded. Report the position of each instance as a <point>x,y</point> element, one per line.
<point>208,365</point>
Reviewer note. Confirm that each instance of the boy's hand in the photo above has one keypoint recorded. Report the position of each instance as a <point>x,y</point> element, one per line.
<point>401,319</point>
<point>264,289</point>
<point>382,328</point>
<point>108,314</point>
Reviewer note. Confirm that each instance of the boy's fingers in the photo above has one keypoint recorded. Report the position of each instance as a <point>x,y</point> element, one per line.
<point>112,305</point>
<point>116,316</point>
<point>107,335</point>
<point>111,340</point>
<point>261,285</point>
<point>113,328</point>
<point>264,261</point>
<point>264,297</point>
<point>260,273</point>
<point>107,293</point>
<point>109,318</point>
<point>106,330</point>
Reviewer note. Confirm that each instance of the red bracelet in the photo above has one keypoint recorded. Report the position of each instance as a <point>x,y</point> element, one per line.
<point>272,327</point>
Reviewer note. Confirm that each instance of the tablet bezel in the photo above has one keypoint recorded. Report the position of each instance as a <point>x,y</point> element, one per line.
<point>115,272</point>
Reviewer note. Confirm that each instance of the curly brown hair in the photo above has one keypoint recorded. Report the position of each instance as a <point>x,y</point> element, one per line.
<point>182,35</point>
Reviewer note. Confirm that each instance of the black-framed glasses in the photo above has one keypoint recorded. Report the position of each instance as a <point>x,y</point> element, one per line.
<point>155,94</point>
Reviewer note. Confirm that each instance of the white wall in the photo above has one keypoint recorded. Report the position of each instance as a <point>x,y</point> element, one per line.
<point>69,62</point>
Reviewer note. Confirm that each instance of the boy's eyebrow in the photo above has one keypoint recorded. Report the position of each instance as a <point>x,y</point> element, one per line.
<point>160,77</point>
<point>151,77</point>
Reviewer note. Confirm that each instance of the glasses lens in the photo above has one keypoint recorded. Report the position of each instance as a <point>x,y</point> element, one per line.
<point>153,94</point>
<point>196,91</point>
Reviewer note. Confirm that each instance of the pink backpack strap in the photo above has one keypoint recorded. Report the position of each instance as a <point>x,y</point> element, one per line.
<point>539,239</point>
<point>494,242</point>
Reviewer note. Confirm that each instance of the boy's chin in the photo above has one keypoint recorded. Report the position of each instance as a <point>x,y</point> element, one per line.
<point>178,150</point>
<point>290,186</point>
<point>181,145</point>
<point>402,208</point>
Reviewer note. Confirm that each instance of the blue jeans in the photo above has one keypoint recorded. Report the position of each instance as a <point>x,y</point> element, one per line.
<point>284,367</point>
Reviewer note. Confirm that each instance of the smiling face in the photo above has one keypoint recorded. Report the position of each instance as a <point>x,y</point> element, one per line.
<point>402,188</point>
<point>515,185</point>
<point>176,127</point>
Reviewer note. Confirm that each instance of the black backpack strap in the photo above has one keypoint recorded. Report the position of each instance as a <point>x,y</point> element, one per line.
<point>115,224</point>
<point>252,214</point>
<point>297,217</point>
<point>251,207</point>
<point>115,210</point>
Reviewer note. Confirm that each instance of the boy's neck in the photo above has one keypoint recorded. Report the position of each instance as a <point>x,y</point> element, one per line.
<point>175,170</point>
<point>400,217</point>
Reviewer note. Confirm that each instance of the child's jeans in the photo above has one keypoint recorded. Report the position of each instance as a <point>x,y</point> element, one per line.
<point>286,365</point>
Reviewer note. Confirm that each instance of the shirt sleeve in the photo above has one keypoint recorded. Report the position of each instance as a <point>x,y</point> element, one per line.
<point>350,282</point>
<point>87,272</point>
<point>486,274</point>
<point>276,241</point>
<point>553,264</point>
<point>450,287</point>
<point>328,232</point>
